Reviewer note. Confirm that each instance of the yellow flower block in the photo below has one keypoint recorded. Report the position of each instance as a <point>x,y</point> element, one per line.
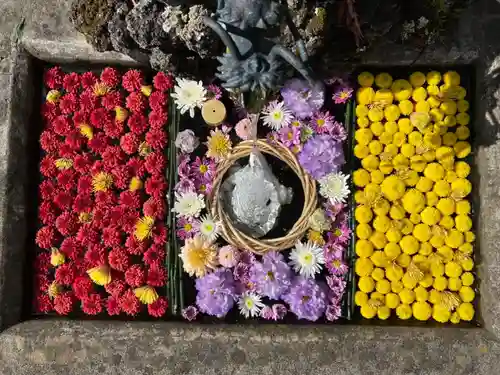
<point>425,248</point>
<point>361,111</point>
<point>377,176</point>
<point>461,188</point>
<point>382,207</point>
<point>366,284</point>
<point>453,270</point>
<point>370,163</point>
<point>363,122</point>
<point>422,107</point>
<point>361,177</point>
<point>365,95</point>
<point>404,312</point>
<point>399,139</point>
<point>392,250</point>
<point>442,189</point>
<point>360,298</point>
<point>466,311</point>
<point>440,313</point>
<point>366,79</point>
<point>393,235</point>
<point>463,223</point>
<point>467,279</point>
<point>450,121</point>
<point>396,286</point>
<point>383,312</point>
<point>363,214</point>
<point>394,273</point>
<point>418,163</point>
<point>383,286</point>
<point>467,264</point>
<point>363,267</point>
<point>422,232</point>
<point>147,90</point>
<point>378,274</point>
<point>408,150</point>
<point>397,212</point>
<point>440,283</point>
<point>385,138</point>
<point>392,300</point>
<point>422,311</point>
<point>379,259</point>
<point>462,169</point>
<point>434,172</point>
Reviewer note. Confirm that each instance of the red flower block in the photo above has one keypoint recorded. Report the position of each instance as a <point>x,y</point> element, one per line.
<point>163,81</point>
<point>132,80</point>
<point>134,276</point>
<point>158,308</point>
<point>129,303</point>
<point>113,306</point>
<point>92,304</point>
<point>63,303</point>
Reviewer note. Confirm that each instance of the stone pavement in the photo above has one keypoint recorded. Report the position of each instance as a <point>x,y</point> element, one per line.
<point>91,347</point>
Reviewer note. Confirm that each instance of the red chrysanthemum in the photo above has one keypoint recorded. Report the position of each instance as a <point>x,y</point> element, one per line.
<point>134,247</point>
<point>88,79</point>
<point>65,151</point>
<point>98,143</point>
<point>48,167</point>
<point>155,255</point>
<point>61,125</point>
<point>157,120</point>
<point>68,103</point>
<point>156,276</point>
<point>100,117</point>
<point>82,287</point>
<point>116,215</point>
<point>156,186</point>
<point>116,287</point>
<point>92,304</point>
<point>63,303</point>
<point>65,274</point>
<point>71,248</point>
<point>129,143</point>
<point>47,213</point>
<point>88,101</point>
<point>42,262</point>
<point>82,163</point>
<point>163,81</point>
<point>47,189</point>
<point>46,237</point>
<point>81,267</point>
<point>50,111</point>
<point>105,199</point>
<point>114,129</point>
<point>87,235</point>
<point>137,166</point>
<point>66,179</point>
<point>157,139</point>
<point>158,308</point>
<point>111,236</point>
<point>155,163</point>
<point>96,255</point>
<point>75,140</point>
<point>43,303</point>
<point>63,200</point>
<point>158,101</point>
<point>41,282</point>
<point>129,220</point>
<point>160,233</point>
<point>113,306</point>
<point>49,141</point>
<point>66,224</point>
<point>136,102</point>
<point>137,123</point>
<point>110,76</point>
<point>121,176</point>
<point>154,207</point>
<point>135,276</point>
<point>129,303</point>
<point>71,82</point>
<point>85,185</point>
<point>119,259</point>
<point>113,156</point>
<point>80,117</point>
<point>82,203</point>
<point>130,199</point>
<point>132,80</point>
<point>112,100</point>
<point>53,78</point>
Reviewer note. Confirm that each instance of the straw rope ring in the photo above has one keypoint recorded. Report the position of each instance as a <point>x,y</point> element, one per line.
<point>239,239</point>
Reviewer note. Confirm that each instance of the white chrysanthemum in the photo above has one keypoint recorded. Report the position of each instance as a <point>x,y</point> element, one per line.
<point>334,187</point>
<point>318,221</point>
<point>188,204</point>
<point>307,259</point>
<point>276,116</point>
<point>250,304</point>
<point>209,228</point>
<point>189,95</point>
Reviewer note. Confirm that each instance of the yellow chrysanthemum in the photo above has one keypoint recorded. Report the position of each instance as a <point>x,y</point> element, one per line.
<point>100,89</point>
<point>102,181</point>
<point>100,275</point>
<point>63,163</point>
<point>146,294</point>
<point>135,184</point>
<point>121,114</point>
<point>144,228</point>
<point>219,145</point>
<point>86,130</point>
<point>146,90</point>
<point>198,257</point>
<point>53,96</point>
<point>54,289</point>
<point>56,257</point>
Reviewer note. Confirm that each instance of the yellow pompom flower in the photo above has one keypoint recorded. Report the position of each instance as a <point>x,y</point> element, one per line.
<point>421,311</point>
<point>399,139</point>
<point>453,269</point>
<point>463,118</point>
<point>392,250</point>
<point>366,284</point>
<point>361,177</point>
<point>393,188</point>
<point>454,284</point>
<point>375,114</point>
<point>449,121</point>
<point>467,279</point>
<point>461,188</point>
<point>366,79</point>
<point>146,294</point>
<point>361,151</point>
<point>451,176</point>
<point>402,89</point>
<point>454,239</point>
<point>370,163</point>
<point>419,94</point>
<point>451,78</point>
<point>401,162</point>
<point>363,231</point>
<point>365,95</point>
<point>381,223</point>
<point>406,107</point>
<point>407,296</point>
<point>430,216</point>
<point>442,188</point>
<point>404,312</point>
<point>392,300</point>
<point>361,111</point>
<point>440,313</point>
<point>421,294</point>
<point>377,176</point>
<point>368,311</point>
<point>417,79</point>
<point>409,245</point>
<point>415,138</point>
<point>418,163</point>
<point>397,286</point>
<point>405,126</point>
<point>364,248</point>
<point>467,294</point>
<point>455,317</point>
<point>360,298</point>
<point>449,139</point>
<point>394,235</point>
<point>434,172</point>
<point>462,169</point>
<point>423,107</point>
<point>408,150</point>
<point>378,274</point>
<point>383,97</point>
<point>392,112</point>
<point>425,249</point>
<point>363,122</point>
<point>447,222</point>
<point>463,106</point>
<point>383,80</point>
<point>383,312</point>
<point>100,275</point>
<point>433,101</point>
<point>466,311</point>
<point>363,214</point>
<point>86,130</point>
<point>422,232</point>
<point>363,136</point>
<point>462,149</point>
<point>63,163</point>
<point>449,107</point>
<point>397,212</point>
<point>135,184</point>
<point>413,201</point>
<point>383,286</point>
<point>385,138</point>
<point>469,237</point>
<point>463,223</point>
<point>391,150</point>
<point>467,263</point>
<point>377,128</point>
<point>57,258</point>
<point>434,78</point>
<point>85,217</point>
<point>382,207</point>
<point>440,283</point>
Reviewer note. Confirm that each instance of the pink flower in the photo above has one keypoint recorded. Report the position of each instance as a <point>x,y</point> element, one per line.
<point>187,228</point>
<point>322,122</point>
<point>204,168</point>
<point>245,129</point>
<point>343,95</point>
<point>289,136</point>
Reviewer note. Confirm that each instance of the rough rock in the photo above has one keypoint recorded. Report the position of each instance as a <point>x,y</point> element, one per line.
<point>144,24</point>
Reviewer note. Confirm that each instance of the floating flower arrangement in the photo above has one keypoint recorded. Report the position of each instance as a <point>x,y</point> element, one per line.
<point>307,279</point>
<point>414,228</point>
<point>102,235</point>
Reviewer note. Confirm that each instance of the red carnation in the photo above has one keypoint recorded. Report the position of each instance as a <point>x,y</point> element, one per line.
<point>63,200</point>
<point>154,256</point>
<point>49,141</point>
<point>88,79</point>
<point>114,129</point>
<point>157,139</point>
<point>156,276</point>
<point>48,167</point>
<point>42,262</point>
<point>157,101</point>
<point>160,233</point>
<point>129,220</point>
<point>113,306</point>
<point>129,303</point>
<point>83,203</point>
<point>66,179</point>
<point>43,303</point>
<point>137,123</point>
<point>53,78</point>
<point>111,236</point>
<point>119,259</point>
<point>50,111</point>
<point>61,125</point>
<point>47,213</point>
<point>154,207</point>
<point>92,304</point>
<point>112,156</point>
<point>110,77</point>
<point>112,100</point>
<point>134,276</point>
<point>130,199</point>
<point>155,186</point>
<point>99,142</point>
<point>85,185</point>
<point>65,151</point>
<point>47,189</point>
<point>88,101</point>
<point>66,223</point>
<point>63,303</point>
<point>95,255</point>
<point>163,82</point>
<point>129,143</point>
<point>116,288</point>
<point>71,82</point>
<point>80,117</point>
<point>155,163</point>
<point>82,286</point>
<point>137,166</point>
<point>71,248</point>
<point>46,237</point>
<point>136,102</point>
<point>87,235</point>
<point>105,199</point>
<point>68,103</point>
<point>75,140</point>
<point>65,274</point>
<point>116,215</point>
<point>132,80</point>
<point>41,282</point>
<point>158,308</point>
<point>157,120</point>
<point>99,117</point>
<point>121,176</point>
<point>134,246</point>
<point>82,163</point>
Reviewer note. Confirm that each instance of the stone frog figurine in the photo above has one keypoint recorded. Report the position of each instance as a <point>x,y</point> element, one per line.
<point>252,196</point>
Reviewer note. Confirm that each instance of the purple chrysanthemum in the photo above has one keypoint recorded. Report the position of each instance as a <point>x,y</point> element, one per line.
<point>341,234</point>
<point>214,92</point>
<point>307,298</point>
<point>342,95</point>
<point>333,312</point>
<point>336,284</point>
<point>185,185</point>
<point>338,132</point>
<point>187,227</point>
<point>333,209</point>
<point>216,293</point>
<point>322,122</point>
<point>302,99</point>
<point>289,136</point>
<point>321,155</point>
<point>184,169</point>
<point>267,313</point>
<point>272,276</point>
<point>203,169</point>
<point>335,264</point>
<point>279,311</point>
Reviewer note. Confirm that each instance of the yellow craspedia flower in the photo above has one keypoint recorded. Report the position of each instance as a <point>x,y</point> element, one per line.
<point>86,130</point>
<point>377,176</point>
<point>449,121</point>
<point>394,273</point>
<point>421,311</point>
<point>419,94</point>
<point>421,294</point>
<point>433,101</point>
<point>467,263</point>
<point>385,166</point>
<point>407,296</point>
<point>383,312</point>
<point>434,78</point>
<point>405,126</point>
<point>392,250</point>
<point>383,286</point>
<point>409,245</point>
<point>467,279</point>
<point>440,313</point>
<point>422,232</point>
<point>447,222</point>
<point>461,188</point>
<point>415,218</point>
<point>442,188</point>
<point>393,188</point>
<point>396,285</point>
<point>417,79</point>
<point>418,163</point>
<point>383,97</point>
<point>430,216</point>
<point>467,247</point>
<point>422,107</point>
<point>436,114</point>
<point>437,240</point>
<point>361,111</point>
<point>451,78</point>
<point>368,311</point>
<point>463,223</point>
<point>463,106</point>
<point>448,107</point>
<point>392,112</point>
<point>378,274</point>
<point>451,176</point>
<point>469,237</point>
<point>100,275</point>
<point>375,114</point>
<point>366,79</point>
<point>379,258</point>
<point>399,139</point>
<point>135,184</point>
<point>402,89</point>
<point>413,201</point>
<point>425,249</point>
<point>363,122</point>
<point>363,231</point>
<point>383,80</point>
<point>453,269</point>
<point>385,138</point>
<point>63,163</point>
<point>56,257</point>
<point>361,151</point>
<point>366,284</point>
<point>102,181</point>
<point>363,214</point>
<point>404,312</point>
<point>435,297</point>
<point>462,133</point>
<point>454,284</point>
<point>434,172</point>
<point>370,163</point>
<point>53,96</point>
<point>360,298</point>
<point>377,128</point>
<point>364,248</point>
<point>406,107</point>
<point>363,136</point>
<point>462,149</point>
<point>449,139</point>
<point>397,212</point>
<point>146,294</point>
<point>415,138</point>
<point>382,207</point>
<point>382,223</point>
<point>463,118</point>
<point>454,239</point>
<point>466,311</point>
<point>401,162</point>
<point>361,177</point>
<point>392,300</point>
<point>393,235</point>
<point>440,283</point>
<point>365,95</point>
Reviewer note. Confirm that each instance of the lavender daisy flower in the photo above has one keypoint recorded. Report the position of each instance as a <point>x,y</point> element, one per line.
<point>335,264</point>
<point>203,187</point>
<point>342,95</point>
<point>267,313</point>
<point>338,132</point>
<point>289,136</point>
<point>336,284</point>
<point>185,185</point>
<point>341,234</point>
<point>272,276</point>
<point>187,227</point>
<point>279,311</point>
<point>321,155</point>
<point>216,293</point>
<point>333,312</point>
<point>276,115</point>
<point>203,168</point>
<point>272,138</point>
<point>190,313</point>
<point>322,122</point>
<point>214,92</point>
<point>302,99</point>
<point>307,298</point>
